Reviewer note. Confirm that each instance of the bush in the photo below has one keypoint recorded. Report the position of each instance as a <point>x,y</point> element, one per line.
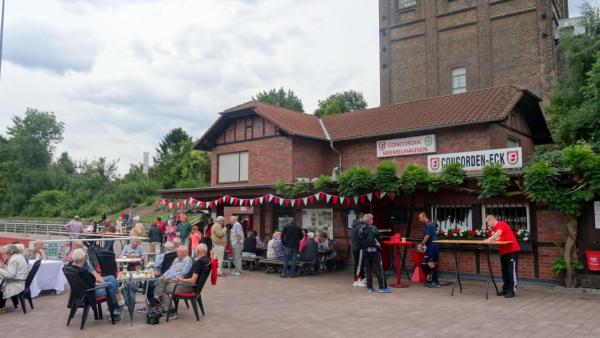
<point>324,183</point>
<point>291,190</point>
<point>356,181</point>
<point>493,181</point>
<point>412,177</point>
<point>385,177</point>
<point>46,203</point>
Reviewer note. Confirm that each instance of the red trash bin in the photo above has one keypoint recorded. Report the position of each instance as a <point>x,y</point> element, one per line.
<point>593,260</point>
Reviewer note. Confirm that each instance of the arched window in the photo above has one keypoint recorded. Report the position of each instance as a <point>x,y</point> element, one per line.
<point>459,80</point>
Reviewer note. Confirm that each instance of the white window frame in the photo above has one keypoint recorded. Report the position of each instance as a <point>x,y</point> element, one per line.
<point>509,205</point>
<point>240,172</point>
<point>402,4</point>
<point>456,79</point>
<point>444,226</point>
<point>515,140</point>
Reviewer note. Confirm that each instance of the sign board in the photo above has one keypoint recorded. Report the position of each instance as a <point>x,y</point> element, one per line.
<point>509,158</point>
<point>597,214</point>
<point>423,144</point>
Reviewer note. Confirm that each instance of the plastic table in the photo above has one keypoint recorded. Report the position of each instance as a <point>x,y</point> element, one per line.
<point>399,260</point>
<point>458,243</point>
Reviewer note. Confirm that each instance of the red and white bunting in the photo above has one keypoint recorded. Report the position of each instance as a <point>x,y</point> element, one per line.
<point>355,198</point>
<point>305,200</point>
<point>383,193</point>
<point>342,198</point>
<point>335,199</point>
<point>327,197</point>
<point>270,198</point>
<point>370,196</point>
<point>293,202</point>
<point>318,196</point>
<point>261,199</point>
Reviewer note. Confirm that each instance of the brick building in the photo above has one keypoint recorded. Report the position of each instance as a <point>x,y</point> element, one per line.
<point>254,145</point>
<point>438,47</point>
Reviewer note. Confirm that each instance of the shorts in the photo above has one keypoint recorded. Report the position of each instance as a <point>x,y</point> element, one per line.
<point>432,254</point>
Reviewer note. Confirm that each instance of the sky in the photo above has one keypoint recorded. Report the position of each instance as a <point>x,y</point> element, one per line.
<point>121,73</point>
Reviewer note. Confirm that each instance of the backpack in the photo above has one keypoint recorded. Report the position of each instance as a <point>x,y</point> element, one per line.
<point>153,316</point>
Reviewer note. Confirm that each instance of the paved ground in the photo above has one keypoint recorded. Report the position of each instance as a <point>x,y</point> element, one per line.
<point>260,305</point>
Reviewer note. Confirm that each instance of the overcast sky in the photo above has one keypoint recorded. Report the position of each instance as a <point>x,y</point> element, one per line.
<point>122,73</point>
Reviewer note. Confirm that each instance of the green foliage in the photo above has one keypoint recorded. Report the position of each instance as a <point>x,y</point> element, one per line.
<point>413,177</point>
<point>341,103</point>
<point>292,190</point>
<point>385,177</point>
<point>356,181</point>
<point>280,97</point>
<point>324,183</point>
<point>559,266</point>
<point>452,174</point>
<point>567,185</point>
<point>46,203</point>
<point>493,181</point>
<point>574,110</point>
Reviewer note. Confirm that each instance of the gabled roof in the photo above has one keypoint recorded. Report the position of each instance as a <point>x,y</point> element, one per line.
<point>473,107</point>
<point>487,105</point>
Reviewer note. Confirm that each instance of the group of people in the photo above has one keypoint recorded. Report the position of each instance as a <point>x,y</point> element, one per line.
<point>366,249</point>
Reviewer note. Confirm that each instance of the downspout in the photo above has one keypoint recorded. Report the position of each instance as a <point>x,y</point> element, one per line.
<point>339,168</point>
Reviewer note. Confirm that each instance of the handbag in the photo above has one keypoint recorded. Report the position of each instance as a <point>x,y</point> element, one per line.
<point>153,316</point>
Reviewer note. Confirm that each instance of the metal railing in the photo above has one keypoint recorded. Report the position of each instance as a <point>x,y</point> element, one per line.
<point>30,228</point>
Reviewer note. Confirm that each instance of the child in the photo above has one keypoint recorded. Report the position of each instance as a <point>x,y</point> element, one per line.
<point>194,239</point>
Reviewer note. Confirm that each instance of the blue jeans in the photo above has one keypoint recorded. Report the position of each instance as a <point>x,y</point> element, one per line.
<point>112,287</point>
<point>290,254</point>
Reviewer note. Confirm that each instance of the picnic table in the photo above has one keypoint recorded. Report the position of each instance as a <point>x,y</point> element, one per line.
<point>457,244</point>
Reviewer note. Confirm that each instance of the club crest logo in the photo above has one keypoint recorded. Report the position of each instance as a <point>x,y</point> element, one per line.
<point>381,145</point>
<point>435,163</point>
<point>512,157</point>
<point>428,141</point>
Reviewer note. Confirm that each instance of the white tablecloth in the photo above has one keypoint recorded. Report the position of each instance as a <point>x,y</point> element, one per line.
<point>49,277</point>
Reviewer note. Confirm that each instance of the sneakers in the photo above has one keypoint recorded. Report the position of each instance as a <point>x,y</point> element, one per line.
<point>433,285</point>
<point>355,283</point>
<point>236,274</point>
<point>369,290</point>
<point>359,284</point>
<point>509,295</point>
<point>142,310</point>
<point>385,290</point>
<point>363,281</point>
<point>173,314</point>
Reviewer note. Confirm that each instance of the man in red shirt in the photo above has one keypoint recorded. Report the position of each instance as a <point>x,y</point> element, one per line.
<point>509,254</point>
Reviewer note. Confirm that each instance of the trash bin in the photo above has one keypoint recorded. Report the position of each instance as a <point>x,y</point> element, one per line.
<point>593,260</point>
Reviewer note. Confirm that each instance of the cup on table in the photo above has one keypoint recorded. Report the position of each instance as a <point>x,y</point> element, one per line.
<point>403,239</point>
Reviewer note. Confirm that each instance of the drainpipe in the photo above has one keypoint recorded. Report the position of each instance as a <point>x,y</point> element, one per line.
<point>339,168</point>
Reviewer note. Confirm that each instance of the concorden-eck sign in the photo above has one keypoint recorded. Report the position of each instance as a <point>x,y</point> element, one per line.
<point>423,144</point>
<point>509,158</point>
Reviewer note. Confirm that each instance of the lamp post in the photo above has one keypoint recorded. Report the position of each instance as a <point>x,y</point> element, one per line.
<point>1,35</point>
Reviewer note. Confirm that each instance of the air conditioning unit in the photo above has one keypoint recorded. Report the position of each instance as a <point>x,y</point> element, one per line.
<point>302,180</point>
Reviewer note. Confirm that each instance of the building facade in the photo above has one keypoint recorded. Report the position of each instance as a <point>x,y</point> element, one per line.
<point>430,48</point>
<point>255,145</point>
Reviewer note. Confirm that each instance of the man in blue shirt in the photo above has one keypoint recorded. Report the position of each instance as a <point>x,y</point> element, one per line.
<point>180,266</point>
<point>432,253</point>
<point>134,247</point>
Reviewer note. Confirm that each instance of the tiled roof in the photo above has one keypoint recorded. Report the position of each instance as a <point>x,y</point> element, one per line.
<point>473,107</point>
<point>484,105</point>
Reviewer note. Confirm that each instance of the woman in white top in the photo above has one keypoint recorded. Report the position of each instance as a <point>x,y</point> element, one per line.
<point>13,272</point>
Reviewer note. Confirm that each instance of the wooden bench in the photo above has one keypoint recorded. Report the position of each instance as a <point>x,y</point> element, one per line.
<point>253,262</point>
<point>272,264</point>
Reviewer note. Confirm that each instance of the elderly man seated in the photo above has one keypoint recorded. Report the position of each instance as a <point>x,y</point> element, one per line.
<point>91,278</point>
<point>134,248</point>
<point>190,278</point>
<point>169,247</point>
<point>180,266</point>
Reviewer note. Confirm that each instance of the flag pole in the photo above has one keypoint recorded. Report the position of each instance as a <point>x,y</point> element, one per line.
<point>1,36</point>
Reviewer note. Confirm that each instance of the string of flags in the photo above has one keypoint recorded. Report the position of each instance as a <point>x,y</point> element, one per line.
<point>274,200</point>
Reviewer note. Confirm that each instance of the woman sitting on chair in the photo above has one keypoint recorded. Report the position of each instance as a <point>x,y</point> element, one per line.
<point>13,270</point>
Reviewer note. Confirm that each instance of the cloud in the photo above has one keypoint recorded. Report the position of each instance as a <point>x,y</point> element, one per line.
<point>40,45</point>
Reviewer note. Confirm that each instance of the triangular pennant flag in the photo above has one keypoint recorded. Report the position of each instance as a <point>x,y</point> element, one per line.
<point>335,199</point>
<point>281,200</point>
<point>305,200</point>
<point>342,198</point>
<point>299,201</point>
<point>318,196</point>
<point>234,201</point>
<point>201,204</point>
<point>226,199</point>
<point>311,199</point>
<point>377,194</point>
<point>256,201</point>
<point>322,196</point>
<point>362,199</point>
<point>348,201</point>
<point>275,199</point>
<point>355,200</point>
<point>327,197</point>
<point>184,203</point>
<point>392,196</point>
<point>220,201</point>
<point>210,204</point>
<point>261,199</point>
<point>247,202</point>
<point>287,202</point>
<point>370,196</point>
<point>242,201</point>
<point>382,195</point>
<point>270,198</point>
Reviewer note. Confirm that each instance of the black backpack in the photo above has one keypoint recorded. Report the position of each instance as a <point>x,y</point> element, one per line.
<point>153,316</point>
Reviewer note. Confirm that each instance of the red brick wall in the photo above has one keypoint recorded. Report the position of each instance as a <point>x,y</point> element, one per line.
<point>310,158</point>
<point>269,160</point>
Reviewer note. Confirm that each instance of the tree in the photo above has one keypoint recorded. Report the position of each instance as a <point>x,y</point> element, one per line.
<point>341,103</point>
<point>32,139</point>
<point>172,143</point>
<point>566,186</point>
<point>574,117</point>
<point>280,97</point>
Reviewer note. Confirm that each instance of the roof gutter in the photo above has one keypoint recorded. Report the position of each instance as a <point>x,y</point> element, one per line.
<point>339,168</point>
